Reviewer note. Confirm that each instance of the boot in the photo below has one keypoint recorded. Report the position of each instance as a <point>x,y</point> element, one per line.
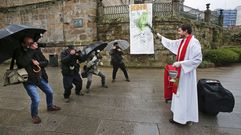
<point>88,86</point>
<point>103,82</point>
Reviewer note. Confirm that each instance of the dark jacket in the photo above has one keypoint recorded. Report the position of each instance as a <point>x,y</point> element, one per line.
<point>24,58</point>
<point>68,60</point>
<point>116,57</point>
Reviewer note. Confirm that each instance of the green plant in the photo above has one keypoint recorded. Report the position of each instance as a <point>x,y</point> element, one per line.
<point>236,38</point>
<point>221,56</point>
<point>238,51</point>
<point>206,64</point>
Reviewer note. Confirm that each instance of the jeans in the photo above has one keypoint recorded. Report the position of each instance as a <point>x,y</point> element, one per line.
<point>34,95</point>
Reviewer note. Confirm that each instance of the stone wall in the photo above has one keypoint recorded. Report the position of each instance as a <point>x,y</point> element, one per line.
<point>86,10</point>
<point>228,35</point>
<point>71,21</point>
<point>208,35</point>
<point>74,22</point>
<point>66,21</point>
<point>12,3</point>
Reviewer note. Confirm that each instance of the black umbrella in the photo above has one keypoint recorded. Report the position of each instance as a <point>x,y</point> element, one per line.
<point>99,45</point>
<point>11,37</point>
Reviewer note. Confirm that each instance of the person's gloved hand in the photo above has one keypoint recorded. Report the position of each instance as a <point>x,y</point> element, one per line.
<point>159,35</point>
<point>176,64</point>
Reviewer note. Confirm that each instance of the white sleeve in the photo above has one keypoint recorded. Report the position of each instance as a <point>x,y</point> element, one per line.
<point>195,58</point>
<point>171,45</point>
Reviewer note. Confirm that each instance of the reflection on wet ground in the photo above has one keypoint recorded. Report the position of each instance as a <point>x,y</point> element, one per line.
<point>125,108</point>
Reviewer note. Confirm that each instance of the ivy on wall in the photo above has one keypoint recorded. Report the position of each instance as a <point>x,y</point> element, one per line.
<point>236,38</point>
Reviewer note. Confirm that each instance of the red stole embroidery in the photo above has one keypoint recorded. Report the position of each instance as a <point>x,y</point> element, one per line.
<point>180,57</point>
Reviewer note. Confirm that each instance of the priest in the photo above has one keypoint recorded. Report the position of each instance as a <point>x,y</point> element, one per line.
<point>188,56</point>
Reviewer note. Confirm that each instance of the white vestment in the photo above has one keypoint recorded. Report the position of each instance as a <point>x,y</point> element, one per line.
<point>185,103</point>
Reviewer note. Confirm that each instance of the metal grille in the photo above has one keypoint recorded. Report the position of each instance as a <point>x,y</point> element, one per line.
<point>162,9</point>
<point>121,12</point>
<point>191,13</point>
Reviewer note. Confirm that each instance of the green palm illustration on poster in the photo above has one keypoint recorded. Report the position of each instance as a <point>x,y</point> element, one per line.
<point>142,21</point>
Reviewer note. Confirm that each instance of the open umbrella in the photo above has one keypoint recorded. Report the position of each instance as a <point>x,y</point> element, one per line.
<point>123,44</point>
<point>99,45</point>
<point>11,37</point>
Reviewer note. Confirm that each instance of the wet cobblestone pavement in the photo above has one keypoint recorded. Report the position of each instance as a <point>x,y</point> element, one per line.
<point>125,108</point>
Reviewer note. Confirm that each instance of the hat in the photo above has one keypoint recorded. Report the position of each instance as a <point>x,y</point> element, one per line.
<point>115,44</point>
<point>70,46</point>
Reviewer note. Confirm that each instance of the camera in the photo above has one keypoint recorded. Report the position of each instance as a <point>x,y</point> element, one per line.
<point>43,45</point>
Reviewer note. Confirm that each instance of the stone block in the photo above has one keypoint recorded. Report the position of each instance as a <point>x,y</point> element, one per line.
<point>109,127</point>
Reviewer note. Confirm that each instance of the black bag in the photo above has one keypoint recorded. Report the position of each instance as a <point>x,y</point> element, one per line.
<point>213,97</point>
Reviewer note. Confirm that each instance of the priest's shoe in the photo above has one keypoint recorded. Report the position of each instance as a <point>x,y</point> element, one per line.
<point>172,121</point>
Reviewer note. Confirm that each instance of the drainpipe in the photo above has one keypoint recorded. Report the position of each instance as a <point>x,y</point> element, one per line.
<point>62,20</point>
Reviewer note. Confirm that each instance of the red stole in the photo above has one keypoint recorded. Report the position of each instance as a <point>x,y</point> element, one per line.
<point>180,57</point>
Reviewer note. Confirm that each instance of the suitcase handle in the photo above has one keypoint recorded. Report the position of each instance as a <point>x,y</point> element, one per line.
<point>212,81</point>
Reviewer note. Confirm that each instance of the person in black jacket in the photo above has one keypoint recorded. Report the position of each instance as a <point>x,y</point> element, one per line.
<point>70,60</point>
<point>117,62</point>
<point>30,57</point>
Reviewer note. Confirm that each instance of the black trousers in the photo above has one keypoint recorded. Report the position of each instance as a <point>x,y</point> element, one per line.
<point>122,67</point>
<point>68,82</point>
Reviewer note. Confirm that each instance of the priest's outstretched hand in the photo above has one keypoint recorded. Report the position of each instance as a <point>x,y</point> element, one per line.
<point>176,64</point>
<point>159,35</point>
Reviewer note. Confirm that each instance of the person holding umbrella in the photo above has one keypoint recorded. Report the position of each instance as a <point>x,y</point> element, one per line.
<point>91,68</point>
<point>12,35</point>
<point>117,62</point>
<point>30,57</point>
<point>70,60</point>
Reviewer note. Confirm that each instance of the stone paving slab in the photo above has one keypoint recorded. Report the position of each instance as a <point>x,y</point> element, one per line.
<point>125,108</point>
<point>170,129</point>
<point>79,125</point>
<point>110,127</point>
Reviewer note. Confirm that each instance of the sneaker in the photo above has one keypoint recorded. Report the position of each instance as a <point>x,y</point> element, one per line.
<point>87,91</point>
<point>66,100</point>
<point>104,86</point>
<point>54,108</point>
<point>36,120</point>
<point>82,93</point>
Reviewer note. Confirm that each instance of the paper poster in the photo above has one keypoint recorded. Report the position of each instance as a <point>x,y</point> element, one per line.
<point>141,37</point>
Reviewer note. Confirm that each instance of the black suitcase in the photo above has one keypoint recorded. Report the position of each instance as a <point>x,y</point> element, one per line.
<point>213,97</point>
